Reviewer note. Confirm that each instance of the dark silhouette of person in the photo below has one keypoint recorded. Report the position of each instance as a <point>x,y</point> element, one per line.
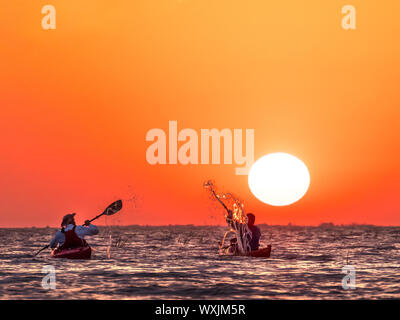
<point>71,235</point>
<point>255,232</point>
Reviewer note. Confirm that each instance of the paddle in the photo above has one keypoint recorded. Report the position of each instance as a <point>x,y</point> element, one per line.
<point>109,211</point>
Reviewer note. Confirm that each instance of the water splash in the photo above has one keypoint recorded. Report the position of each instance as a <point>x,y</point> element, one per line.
<point>120,242</point>
<point>115,239</point>
<point>109,247</point>
<point>235,218</point>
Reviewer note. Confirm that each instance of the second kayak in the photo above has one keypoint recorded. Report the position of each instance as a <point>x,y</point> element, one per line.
<point>74,253</point>
<point>261,253</point>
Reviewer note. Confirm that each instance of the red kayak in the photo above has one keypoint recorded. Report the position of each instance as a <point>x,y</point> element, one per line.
<point>75,253</point>
<point>261,253</point>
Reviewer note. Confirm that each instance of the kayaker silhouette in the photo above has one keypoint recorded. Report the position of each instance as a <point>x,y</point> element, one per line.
<point>71,235</point>
<point>254,238</point>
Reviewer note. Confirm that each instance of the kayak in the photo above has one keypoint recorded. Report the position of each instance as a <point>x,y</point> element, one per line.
<point>75,253</point>
<point>261,253</point>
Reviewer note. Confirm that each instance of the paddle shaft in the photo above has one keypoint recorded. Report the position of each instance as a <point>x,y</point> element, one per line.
<point>96,217</point>
<point>42,249</point>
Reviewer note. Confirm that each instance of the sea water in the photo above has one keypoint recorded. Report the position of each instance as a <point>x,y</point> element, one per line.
<point>182,262</point>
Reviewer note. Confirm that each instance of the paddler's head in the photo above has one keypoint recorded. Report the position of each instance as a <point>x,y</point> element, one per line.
<point>68,219</point>
<point>251,218</point>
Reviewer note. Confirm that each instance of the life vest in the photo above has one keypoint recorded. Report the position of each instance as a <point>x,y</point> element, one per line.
<point>72,240</point>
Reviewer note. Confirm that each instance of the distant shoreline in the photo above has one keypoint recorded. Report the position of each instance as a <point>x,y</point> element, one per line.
<point>322,225</point>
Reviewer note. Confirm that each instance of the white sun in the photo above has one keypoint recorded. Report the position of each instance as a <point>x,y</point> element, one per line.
<point>279,179</point>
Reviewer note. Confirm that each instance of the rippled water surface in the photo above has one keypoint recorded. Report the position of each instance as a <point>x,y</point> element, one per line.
<point>183,262</point>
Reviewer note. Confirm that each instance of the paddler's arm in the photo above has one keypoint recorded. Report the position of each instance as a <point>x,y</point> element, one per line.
<point>58,239</point>
<point>89,229</point>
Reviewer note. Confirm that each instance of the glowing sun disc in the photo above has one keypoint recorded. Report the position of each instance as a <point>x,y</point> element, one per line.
<point>279,179</point>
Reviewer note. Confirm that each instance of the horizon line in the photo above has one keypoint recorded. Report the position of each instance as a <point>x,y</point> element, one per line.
<point>323,224</point>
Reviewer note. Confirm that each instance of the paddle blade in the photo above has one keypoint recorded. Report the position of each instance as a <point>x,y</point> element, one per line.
<point>41,250</point>
<point>113,208</point>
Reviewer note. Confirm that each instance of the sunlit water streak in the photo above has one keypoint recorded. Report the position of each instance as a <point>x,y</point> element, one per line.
<point>180,262</point>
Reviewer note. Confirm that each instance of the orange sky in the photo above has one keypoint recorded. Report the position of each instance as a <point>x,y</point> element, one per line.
<point>77,102</point>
